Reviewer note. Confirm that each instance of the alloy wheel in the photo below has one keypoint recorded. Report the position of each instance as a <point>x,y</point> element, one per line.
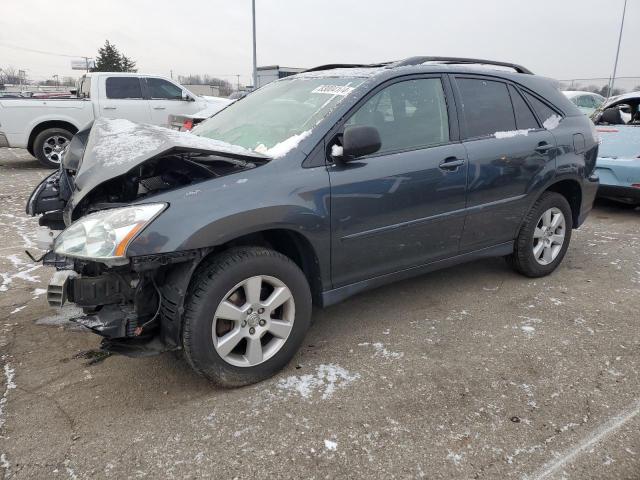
<point>548,236</point>
<point>253,321</point>
<point>54,147</point>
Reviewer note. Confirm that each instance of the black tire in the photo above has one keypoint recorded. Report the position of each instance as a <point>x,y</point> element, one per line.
<point>522,259</point>
<point>212,281</point>
<point>39,143</point>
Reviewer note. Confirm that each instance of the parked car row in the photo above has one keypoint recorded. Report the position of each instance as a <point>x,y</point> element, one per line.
<point>618,166</point>
<point>307,191</point>
<point>45,126</point>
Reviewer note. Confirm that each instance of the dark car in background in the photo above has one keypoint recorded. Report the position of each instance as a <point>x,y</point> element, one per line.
<point>310,190</point>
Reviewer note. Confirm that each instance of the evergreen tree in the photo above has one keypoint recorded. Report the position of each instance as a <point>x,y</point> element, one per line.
<point>127,64</point>
<point>109,59</point>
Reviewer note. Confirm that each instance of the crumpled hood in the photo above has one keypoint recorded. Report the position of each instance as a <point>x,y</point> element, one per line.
<point>115,146</point>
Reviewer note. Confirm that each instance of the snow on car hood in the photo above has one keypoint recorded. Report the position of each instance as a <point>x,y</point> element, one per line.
<point>115,146</point>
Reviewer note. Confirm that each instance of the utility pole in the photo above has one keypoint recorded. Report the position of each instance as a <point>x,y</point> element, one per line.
<point>57,79</point>
<point>255,61</point>
<point>615,65</point>
<point>171,74</point>
<point>238,82</point>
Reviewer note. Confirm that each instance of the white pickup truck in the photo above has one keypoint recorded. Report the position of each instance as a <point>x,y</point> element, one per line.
<point>45,126</point>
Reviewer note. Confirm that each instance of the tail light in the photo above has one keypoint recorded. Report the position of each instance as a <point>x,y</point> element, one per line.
<point>635,185</point>
<point>188,124</point>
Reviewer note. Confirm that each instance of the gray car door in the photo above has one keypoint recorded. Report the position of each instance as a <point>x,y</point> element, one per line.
<point>507,149</point>
<point>404,205</point>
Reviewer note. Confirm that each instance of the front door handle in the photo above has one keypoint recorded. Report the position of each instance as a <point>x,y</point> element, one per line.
<point>159,108</point>
<point>108,108</point>
<point>543,147</point>
<point>451,163</point>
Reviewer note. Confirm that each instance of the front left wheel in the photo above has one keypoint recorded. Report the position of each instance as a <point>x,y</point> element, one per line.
<point>246,314</point>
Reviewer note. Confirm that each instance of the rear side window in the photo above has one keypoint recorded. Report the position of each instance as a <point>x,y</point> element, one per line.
<point>161,89</point>
<point>524,116</point>
<point>408,115</point>
<point>543,111</point>
<point>487,107</point>
<point>123,87</point>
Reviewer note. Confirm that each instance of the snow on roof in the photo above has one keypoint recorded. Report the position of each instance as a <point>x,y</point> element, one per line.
<point>342,72</point>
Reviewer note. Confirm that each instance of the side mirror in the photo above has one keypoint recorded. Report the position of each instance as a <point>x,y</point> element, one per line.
<point>186,97</point>
<point>360,140</point>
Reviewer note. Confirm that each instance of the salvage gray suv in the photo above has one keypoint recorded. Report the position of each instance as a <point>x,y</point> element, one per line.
<point>305,192</point>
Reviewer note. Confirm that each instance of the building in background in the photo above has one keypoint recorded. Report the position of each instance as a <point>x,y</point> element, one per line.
<point>211,90</point>
<point>274,72</point>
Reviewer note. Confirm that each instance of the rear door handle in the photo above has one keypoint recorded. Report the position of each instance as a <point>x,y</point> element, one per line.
<point>543,147</point>
<point>108,108</point>
<point>451,163</point>
<point>159,108</point>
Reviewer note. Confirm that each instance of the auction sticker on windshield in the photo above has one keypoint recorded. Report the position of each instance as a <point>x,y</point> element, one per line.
<point>333,89</point>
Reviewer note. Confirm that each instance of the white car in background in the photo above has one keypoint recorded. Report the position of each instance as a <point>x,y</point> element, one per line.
<point>45,126</point>
<point>587,102</point>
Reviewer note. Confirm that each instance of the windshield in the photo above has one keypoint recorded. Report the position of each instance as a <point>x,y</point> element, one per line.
<point>274,118</point>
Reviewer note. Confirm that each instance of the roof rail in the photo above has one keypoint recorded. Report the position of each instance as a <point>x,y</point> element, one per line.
<point>457,60</point>
<point>331,66</point>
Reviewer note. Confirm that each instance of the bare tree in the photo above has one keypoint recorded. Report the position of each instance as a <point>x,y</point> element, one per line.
<point>195,79</point>
<point>11,75</point>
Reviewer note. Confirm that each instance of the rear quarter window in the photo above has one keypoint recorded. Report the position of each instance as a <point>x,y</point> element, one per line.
<point>543,111</point>
<point>524,116</point>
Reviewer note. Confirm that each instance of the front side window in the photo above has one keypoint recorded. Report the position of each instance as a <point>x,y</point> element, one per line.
<point>279,113</point>
<point>160,89</point>
<point>487,107</point>
<point>123,88</point>
<point>408,115</point>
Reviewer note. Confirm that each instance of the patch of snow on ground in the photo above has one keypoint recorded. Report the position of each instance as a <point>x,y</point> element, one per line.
<point>382,351</point>
<point>9,376</point>
<point>327,379</point>
<point>21,270</point>
<point>17,309</point>
<point>331,445</point>
<point>552,122</point>
<point>39,291</point>
<point>25,227</point>
<point>63,318</point>
<point>513,133</point>
<point>456,458</point>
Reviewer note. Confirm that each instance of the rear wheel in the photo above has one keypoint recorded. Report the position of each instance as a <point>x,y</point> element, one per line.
<point>246,314</point>
<point>49,145</point>
<point>544,237</point>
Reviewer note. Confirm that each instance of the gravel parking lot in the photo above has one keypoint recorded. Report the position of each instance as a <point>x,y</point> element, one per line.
<point>471,372</point>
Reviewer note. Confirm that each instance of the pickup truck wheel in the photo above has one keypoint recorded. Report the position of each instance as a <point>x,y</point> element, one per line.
<point>49,145</point>
<point>544,236</point>
<point>246,314</point>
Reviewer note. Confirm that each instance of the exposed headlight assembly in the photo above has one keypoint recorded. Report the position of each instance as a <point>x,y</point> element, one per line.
<point>104,236</point>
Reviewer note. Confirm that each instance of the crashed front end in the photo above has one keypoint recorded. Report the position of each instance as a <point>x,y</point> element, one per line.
<point>107,191</point>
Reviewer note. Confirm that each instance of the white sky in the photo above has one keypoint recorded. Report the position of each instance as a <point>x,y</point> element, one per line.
<point>557,38</point>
